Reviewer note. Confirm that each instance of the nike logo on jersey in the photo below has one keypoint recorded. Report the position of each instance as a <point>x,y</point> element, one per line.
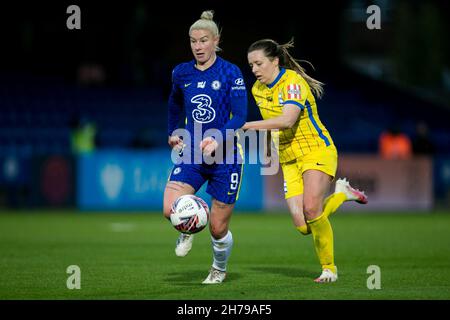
<point>231,193</point>
<point>320,164</point>
<point>187,85</point>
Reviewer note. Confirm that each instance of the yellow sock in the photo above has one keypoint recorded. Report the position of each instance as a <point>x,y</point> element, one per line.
<point>304,230</point>
<point>323,241</point>
<point>333,202</point>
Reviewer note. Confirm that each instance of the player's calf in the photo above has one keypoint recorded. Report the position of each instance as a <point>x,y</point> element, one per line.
<point>304,229</point>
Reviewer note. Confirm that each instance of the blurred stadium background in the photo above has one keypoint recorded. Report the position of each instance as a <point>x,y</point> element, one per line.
<point>83,112</point>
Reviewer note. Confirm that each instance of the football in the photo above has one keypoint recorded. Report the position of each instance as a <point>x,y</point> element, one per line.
<point>190,214</point>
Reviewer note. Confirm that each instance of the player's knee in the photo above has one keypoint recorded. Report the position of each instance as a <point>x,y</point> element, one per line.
<point>218,231</point>
<point>312,209</point>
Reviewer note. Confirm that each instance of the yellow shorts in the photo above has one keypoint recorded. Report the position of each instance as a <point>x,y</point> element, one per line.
<point>324,159</point>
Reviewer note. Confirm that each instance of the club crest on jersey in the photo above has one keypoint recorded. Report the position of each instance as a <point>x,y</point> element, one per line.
<point>293,91</point>
<point>216,85</point>
<point>203,111</point>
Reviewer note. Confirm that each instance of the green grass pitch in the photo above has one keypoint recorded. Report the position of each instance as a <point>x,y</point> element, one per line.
<point>131,256</point>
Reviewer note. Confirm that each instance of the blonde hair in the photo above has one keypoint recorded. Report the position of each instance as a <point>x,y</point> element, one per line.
<point>206,22</point>
<point>273,50</point>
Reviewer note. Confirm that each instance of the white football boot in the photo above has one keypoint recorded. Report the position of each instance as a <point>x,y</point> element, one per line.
<point>184,244</point>
<point>352,194</point>
<point>327,276</point>
<point>215,276</point>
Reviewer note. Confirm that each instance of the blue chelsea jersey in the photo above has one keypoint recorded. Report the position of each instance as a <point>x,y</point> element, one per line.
<point>212,97</point>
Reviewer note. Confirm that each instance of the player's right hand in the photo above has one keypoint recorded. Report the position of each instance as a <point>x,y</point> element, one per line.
<point>175,142</point>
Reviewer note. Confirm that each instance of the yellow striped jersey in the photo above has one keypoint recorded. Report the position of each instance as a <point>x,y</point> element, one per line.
<point>308,133</point>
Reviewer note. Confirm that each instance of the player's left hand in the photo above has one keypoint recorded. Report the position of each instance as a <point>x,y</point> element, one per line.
<point>208,146</point>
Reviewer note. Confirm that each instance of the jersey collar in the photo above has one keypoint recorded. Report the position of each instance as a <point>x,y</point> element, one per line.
<point>215,63</point>
<point>282,71</point>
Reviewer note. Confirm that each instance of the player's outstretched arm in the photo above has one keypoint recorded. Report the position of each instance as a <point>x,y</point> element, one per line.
<point>284,121</point>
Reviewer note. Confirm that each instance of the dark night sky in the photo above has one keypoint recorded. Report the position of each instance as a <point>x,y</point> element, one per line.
<point>39,42</point>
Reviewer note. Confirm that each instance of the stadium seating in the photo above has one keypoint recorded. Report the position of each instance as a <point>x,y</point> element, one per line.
<point>36,115</point>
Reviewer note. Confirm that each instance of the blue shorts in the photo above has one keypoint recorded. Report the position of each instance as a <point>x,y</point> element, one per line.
<point>224,180</point>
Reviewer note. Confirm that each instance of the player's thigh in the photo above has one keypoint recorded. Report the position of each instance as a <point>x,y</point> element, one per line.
<point>323,159</point>
<point>295,205</point>
<point>225,183</point>
<point>316,184</point>
<point>220,218</point>
<point>292,177</point>
<point>174,190</point>
<point>184,179</point>
<point>318,171</point>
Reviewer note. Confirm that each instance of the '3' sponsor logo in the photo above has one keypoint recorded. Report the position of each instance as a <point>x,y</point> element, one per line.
<point>203,111</point>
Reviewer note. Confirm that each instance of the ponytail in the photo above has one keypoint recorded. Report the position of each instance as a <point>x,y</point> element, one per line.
<point>291,63</point>
<point>272,49</point>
